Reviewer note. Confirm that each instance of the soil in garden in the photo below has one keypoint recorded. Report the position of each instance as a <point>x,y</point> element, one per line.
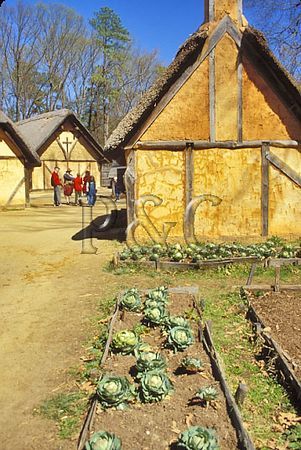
<point>281,312</point>
<point>157,425</point>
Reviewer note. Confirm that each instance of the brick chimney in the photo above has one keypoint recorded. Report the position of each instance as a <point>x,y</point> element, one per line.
<point>215,10</point>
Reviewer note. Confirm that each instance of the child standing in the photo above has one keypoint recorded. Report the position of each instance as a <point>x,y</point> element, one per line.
<point>78,187</point>
<point>91,191</point>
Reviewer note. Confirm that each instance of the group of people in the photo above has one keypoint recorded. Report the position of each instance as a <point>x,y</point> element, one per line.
<point>85,186</point>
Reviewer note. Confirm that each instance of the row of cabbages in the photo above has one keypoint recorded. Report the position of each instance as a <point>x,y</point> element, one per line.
<point>273,247</point>
<point>152,382</point>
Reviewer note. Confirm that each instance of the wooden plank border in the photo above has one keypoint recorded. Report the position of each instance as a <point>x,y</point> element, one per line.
<point>264,191</point>
<point>282,364</point>
<point>244,440</point>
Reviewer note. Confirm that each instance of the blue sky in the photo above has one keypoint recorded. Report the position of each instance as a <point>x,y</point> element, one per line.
<point>154,24</point>
<point>159,24</point>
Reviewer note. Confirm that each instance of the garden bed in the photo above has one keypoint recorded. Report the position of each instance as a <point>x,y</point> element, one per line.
<point>157,425</point>
<point>279,316</point>
<point>163,264</point>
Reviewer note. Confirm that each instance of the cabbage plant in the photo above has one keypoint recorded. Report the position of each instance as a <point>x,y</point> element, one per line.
<point>125,342</point>
<point>160,294</point>
<point>192,365</point>
<point>115,391</point>
<point>155,315</point>
<point>175,321</point>
<point>147,361</point>
<point>179,338</point>
<point>155,386</point>
<point>198,438</point>
<point>131,300</point>
<point>102,440</point>
<point>207,394</point>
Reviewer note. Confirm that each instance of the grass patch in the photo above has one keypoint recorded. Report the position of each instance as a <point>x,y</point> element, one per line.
<point>66,410</point>
<point>266,398</point>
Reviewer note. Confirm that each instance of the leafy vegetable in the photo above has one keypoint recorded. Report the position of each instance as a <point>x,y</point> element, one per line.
<point>102,440</point>
<point>155,386</point>
<point>131,300</point>
<point>159,294</point>
<point>115,391</point>
<point>174,321</point>
<point>198,438</point>
<point>125,342</point>
<point>147,361</point>
<point>207,394</point>
<point>179,338</point>
<point>273,247</point>
<point>192,365</point>
<point>155,315</point>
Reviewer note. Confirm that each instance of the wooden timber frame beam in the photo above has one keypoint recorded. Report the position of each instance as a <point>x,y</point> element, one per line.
<point>284,168</point>
<point>205,145</point>
<point>265,149</point>
<point>189,172</point>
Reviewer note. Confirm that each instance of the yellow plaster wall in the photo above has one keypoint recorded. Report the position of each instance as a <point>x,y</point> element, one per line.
<point>223,7</point>
<point>226,90</point>
<point>235,177</point>
<point>187,114</point>
<point>12,186</point>
<point>5,149</point>
<point>161,173</point>
<point>265,116</point>
<point>284,196</point>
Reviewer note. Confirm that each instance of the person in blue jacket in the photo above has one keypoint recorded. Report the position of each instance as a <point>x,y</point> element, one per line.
<point>91,191</point>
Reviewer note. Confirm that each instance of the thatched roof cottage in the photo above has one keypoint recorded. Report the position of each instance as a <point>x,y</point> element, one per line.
<point>213,148</point>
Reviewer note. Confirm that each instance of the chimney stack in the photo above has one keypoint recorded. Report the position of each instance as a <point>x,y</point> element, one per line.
<point>215,10</point>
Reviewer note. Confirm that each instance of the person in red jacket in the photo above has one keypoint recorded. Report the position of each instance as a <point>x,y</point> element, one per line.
<point>56,184</point>
<point>78,187</point>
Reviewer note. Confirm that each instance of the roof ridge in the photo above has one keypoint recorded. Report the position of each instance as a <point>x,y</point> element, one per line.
<point>55,113</point>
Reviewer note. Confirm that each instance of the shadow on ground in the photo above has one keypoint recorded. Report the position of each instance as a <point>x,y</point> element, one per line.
<point>105,227</point>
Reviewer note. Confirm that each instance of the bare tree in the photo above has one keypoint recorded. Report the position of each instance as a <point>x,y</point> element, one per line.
<point>281,23</point>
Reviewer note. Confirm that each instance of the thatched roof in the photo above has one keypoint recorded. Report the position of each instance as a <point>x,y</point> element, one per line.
<point>30,156</point>
<point>39,130</point>
<point>185,57</point>
<point>252,42</point>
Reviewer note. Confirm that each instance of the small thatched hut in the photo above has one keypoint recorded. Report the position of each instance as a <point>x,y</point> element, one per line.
<point>15,160</point>
<point>213,149</point>
<point>59,138</point>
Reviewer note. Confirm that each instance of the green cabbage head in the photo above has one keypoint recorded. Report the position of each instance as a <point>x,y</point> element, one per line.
<point>155,386</point>
<point>192,365</point>
<point>102,440</point>
<point>159,294</point>
<point>149,361</point>
<point>207,394</point>
<point>198,438</point>
<point>131,300</point>
<point>177,321</point>
<point>155,315</point>
<point>179,338</point>
<point>125,342</point>
<point>115,391</point>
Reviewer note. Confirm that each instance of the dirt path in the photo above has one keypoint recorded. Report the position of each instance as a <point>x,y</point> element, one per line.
<point>48,290</point>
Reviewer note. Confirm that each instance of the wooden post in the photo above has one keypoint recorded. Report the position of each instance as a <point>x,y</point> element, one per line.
<point>212,95</point>
<point>277,278</point>
<point>27,186</point>
<point>264,190</point>
<point>189,171</point>
<point>239,98</point>
<point>129,181</point>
